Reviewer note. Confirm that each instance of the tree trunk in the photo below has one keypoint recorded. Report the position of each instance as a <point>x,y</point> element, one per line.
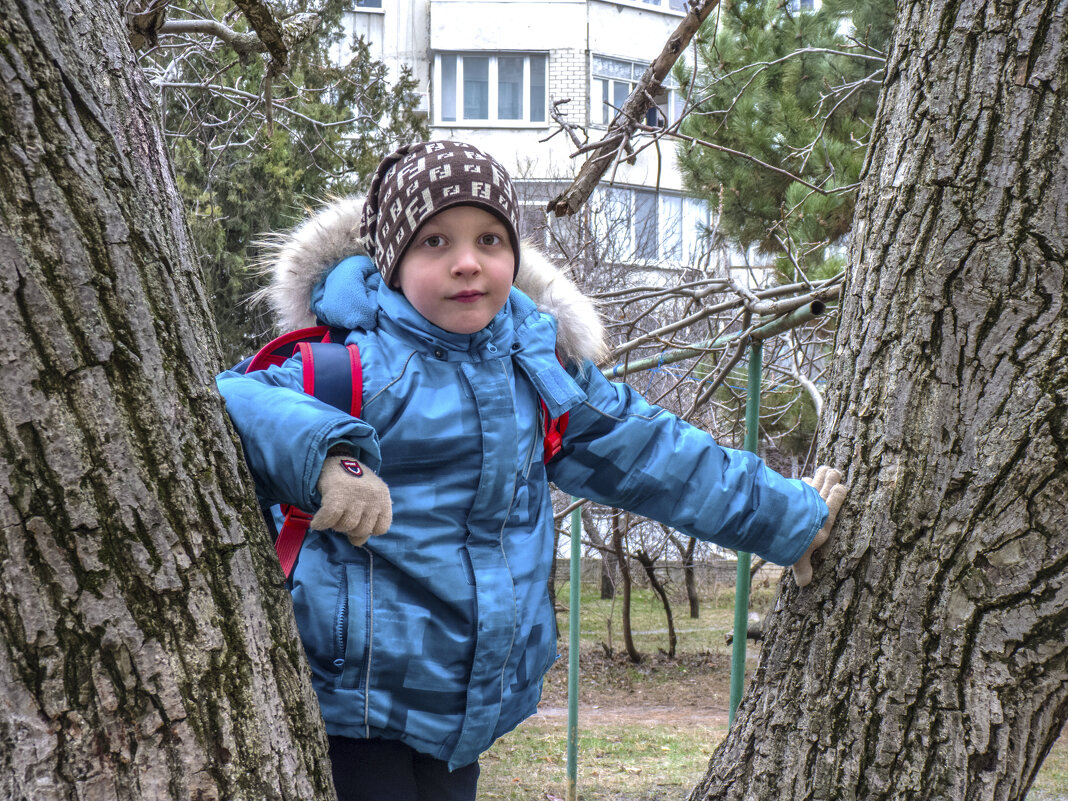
<point>147,646</point>
<point>649,564</point>
<point>927,659</point>
<point>608,557</point>
<point>689,574</point>
<point>618,533</point>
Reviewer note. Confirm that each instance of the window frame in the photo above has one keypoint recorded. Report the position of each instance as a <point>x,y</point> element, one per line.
<point>603,84</point>
<point>663,6</point>
<point>492,120</point>
<point>668,234</point>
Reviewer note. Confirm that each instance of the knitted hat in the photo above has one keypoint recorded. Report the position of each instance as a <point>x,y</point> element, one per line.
<point>420,180</point>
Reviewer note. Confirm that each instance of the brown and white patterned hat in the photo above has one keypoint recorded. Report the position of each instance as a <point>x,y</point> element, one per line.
<point>420,180</point>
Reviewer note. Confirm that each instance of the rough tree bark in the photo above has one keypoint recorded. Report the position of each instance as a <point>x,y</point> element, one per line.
<point>147,647</point>
<point>927,660</point>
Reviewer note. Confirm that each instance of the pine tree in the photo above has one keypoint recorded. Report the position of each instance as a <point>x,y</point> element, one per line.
<point>795,89</point>
<point>241,176</point>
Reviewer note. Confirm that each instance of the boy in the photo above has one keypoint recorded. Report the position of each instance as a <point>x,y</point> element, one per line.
<point>421,589</point>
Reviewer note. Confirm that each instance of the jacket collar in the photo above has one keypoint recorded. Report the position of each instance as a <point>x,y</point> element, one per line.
<point>314,267</point>
<point>399,318</point>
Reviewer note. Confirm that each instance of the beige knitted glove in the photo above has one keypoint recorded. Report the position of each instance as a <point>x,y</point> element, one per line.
<point>355,500</point>
<point>827,482</point>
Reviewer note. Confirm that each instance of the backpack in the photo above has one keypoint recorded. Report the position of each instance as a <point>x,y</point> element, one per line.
<point>332,374</point>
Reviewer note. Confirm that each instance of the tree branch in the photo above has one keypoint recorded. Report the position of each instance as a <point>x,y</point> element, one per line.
<point>632,112</point>
<point>294,30</point>
<point>261,19</point>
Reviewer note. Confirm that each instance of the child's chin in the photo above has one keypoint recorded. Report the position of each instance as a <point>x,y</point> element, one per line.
<point>464,329</point>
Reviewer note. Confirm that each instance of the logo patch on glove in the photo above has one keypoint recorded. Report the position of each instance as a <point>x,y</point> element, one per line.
<point>353,467</point>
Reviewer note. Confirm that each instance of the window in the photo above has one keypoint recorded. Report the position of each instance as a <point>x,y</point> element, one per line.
<point>674,5</point>
<point>696,217</point>
<point>646,227</point>
<point>641,226</point>
<point>624,225</point>
<point>613,81</point>
<point>498,88</point>
<point>535,224</point>
<point>368,3</point>
<point>671,227</point>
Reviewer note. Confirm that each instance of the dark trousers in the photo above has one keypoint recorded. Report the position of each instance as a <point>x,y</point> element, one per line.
<point>389,770</point>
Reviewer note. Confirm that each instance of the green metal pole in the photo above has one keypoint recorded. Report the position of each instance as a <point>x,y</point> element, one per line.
<point>573,655</point>
<point>741,582</point>
<point>807,313</point>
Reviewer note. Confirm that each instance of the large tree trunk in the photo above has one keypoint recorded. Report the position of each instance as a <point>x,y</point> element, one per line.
<point>147,647</point>
<point>927,660</point>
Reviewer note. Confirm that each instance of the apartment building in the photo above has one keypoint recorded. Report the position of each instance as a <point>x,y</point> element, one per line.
<point>501,74</point>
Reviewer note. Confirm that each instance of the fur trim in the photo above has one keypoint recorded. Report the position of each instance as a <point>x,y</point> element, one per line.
<point>580,332</point>
<point>297,261</point>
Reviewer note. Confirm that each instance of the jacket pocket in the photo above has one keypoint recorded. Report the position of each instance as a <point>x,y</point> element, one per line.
<point>352,623</point>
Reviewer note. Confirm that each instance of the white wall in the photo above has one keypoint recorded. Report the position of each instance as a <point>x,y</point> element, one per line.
<point>507,24</point>
<point>633,31</point>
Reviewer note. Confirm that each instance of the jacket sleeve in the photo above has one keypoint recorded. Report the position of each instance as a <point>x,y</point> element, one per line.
<point>286,434</point>
<point>622,451</point>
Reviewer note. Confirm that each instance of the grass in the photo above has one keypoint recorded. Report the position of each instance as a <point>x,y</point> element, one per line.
<point>615,762</point>
<point>1051,784</point>
<point>675,710</point>
<point>602,620</point>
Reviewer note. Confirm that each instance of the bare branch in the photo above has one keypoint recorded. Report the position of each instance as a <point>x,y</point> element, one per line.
<point>564,125</point>
<point>633,111</point>
<point>800,378</point>
<point>740,348</point>
<point>262,20</point>
<point>713,146</point>
<point>294,31</point>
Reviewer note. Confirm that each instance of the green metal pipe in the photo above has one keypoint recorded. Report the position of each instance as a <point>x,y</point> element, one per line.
<point>805,314</point>
<point>741,582</point>
<point>573,655</point>
<point>797,317</point>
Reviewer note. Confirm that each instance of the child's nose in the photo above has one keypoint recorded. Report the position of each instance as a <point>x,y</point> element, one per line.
<point>466,262</point>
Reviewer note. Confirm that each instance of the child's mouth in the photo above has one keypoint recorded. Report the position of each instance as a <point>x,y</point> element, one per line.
<point>467,297</point>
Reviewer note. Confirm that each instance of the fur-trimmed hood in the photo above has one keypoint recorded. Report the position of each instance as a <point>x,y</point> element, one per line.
<point>299,259</point>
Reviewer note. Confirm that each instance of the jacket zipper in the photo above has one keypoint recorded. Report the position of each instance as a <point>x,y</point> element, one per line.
<point>341,620</point>
<point>370,643</point>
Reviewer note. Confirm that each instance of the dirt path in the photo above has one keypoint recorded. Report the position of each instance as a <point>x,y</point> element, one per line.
<point>693,689</point>
<point>639,714</point>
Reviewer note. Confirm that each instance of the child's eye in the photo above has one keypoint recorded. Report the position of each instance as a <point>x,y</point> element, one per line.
<point>434,241</point>
<point>490,239</point>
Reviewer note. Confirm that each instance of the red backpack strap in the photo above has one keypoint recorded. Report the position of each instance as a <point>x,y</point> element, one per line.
<point>291,538</point>
<point>553,433</point>
<point>333,373</point>
<point>554,428</point>
<point>281,348</point>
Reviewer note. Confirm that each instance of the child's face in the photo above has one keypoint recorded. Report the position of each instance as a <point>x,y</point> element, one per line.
<point>458,270</point>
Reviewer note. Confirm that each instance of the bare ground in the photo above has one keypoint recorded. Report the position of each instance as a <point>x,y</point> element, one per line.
<point>692,688</point>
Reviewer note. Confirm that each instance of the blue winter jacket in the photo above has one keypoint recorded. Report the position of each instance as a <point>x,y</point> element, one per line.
<point>439,632</point>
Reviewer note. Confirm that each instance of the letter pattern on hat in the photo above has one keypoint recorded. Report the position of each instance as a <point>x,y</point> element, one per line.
<point>420,180</point>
